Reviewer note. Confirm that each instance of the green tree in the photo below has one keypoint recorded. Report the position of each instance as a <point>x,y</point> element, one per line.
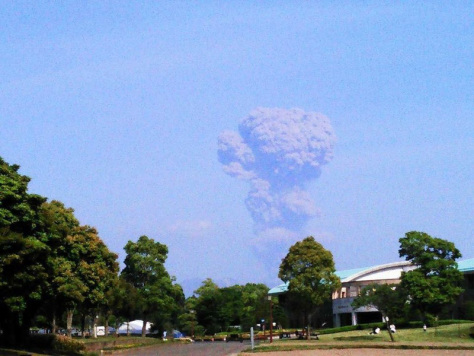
<point>388,299</point>
<point>97,269</point>
<point>23,254</point>
<point>65,288</point>
<point>309,269</point>
<point>254,304</point>
<point>187,319</point>
<point>436,280</point>
<point>145,270</point>
<point>123,301</point>
<point>46,258</point>
<point>208,303</point>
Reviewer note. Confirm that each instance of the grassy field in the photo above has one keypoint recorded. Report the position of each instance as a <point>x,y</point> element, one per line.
<point>448,333</point>
<point>455,336</point>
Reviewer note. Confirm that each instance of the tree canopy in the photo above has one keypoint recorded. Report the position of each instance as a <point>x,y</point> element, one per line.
<point>218,309</point>
<point>436,280</point>
<point>388,299</point>
<point>47,261</point>
<point>145,270</point>
<point>24,252</point>
<point>309,269</point>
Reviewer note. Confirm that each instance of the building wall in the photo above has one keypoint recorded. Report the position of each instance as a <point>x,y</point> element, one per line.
<point>351,287</point>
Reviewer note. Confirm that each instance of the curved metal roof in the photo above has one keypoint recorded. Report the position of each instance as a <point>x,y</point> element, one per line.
<point>464,266</point>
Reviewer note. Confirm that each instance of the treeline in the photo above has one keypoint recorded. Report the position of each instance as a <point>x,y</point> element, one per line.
<point>57,273</point>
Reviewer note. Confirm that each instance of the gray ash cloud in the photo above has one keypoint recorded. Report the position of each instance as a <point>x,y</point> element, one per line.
<point>278,151</point>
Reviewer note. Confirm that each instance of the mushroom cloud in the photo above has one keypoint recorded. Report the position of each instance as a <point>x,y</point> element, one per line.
<point>278,151</point>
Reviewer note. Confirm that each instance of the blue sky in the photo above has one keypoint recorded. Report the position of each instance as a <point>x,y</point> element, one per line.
<point>115,109</point>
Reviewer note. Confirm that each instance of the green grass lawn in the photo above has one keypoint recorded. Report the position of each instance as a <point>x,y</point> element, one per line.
<point>455,336</point>
<point>455,333</point>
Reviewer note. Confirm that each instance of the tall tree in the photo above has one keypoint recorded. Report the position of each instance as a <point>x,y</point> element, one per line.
<point>187,319</point>
<point>436,282</point>
<point>309,269</point>
<point>254,304</point>
<point>65,288</point>
<point>209,299</point>
<point>23,253</point>
<point>388,299</point>
<point>45,257</point>
<point>145,270</point>
<point>97,269</point>
<point>123,301</point>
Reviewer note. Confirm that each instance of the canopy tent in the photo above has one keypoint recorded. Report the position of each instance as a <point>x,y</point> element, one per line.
<point>177,334</point>
<point>133,327</point>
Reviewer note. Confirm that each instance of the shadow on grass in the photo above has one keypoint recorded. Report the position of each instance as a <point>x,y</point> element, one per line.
<point>357,338</point>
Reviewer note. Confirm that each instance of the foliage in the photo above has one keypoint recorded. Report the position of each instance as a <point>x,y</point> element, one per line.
<point>23,253</point>
<point>123,301</point>
<point>145,270</point>
<point>187,320</point>
<point>207,312</point>
<point>386,298</point>
<point>218,309</point>
<point>309,269</point>
<point>389,299</point>
<point>47,260</point>
<point>436,282</point>
<point>65,344</point>
<point>65,289</point>
<point>255,305</point>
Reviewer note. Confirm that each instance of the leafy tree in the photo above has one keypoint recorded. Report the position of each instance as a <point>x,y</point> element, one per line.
<point>46,258</point>
<point>123,301</point>
<point>65,287</point>
<point>23,255</point>
<point>436,282</point>
<point>219,308</point>
<point>209,299</point>
<point>187,319</point>
<point>309,269</point>
<point>388,299</point>
<point>231,307</point>
<point>254,304</point>
<point>145,270</point>
<point>97,269</point>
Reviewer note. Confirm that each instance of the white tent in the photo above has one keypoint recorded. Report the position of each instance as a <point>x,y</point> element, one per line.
<point>134,327</point>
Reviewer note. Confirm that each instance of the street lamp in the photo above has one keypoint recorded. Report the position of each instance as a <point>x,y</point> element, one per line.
<point>271,318</point>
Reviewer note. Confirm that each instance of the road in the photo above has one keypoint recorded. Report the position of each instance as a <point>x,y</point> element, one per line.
<point>195,349</point>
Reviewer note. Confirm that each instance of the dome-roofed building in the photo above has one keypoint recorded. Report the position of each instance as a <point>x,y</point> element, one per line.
<point>353,280</point>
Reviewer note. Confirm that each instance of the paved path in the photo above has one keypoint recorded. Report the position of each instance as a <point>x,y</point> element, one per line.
<point>195,349</point>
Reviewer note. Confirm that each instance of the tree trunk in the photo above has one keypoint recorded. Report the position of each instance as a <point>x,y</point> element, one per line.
<point>106,324</point>
<point>69,315</point>
<point>144,326</point>
<point>308,322</point>
<point>94,327</point>
<point>388,329</point>
<point>53,323</point>
<point>83,326</point>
